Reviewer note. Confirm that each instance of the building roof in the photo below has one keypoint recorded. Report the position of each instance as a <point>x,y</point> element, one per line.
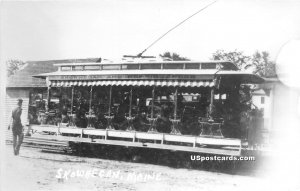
<point>24,77</point>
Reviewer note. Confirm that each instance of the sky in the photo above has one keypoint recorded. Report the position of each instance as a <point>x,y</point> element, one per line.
<point>47,30</point>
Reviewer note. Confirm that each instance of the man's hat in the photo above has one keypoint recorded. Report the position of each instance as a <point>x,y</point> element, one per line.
<point>20,100</point>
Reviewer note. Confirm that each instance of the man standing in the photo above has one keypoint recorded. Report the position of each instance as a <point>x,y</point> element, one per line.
<point>17,127</point>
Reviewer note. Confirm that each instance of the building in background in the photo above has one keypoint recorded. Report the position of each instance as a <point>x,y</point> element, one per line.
<point>279,104</point>
<point>32,90</point>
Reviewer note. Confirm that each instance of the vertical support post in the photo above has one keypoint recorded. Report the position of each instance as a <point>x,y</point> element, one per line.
<point>152,120</point>
<point>61,91</point>
<point>175,121</point>
<point>71,121</point>
<point>48,99</point>
<point>138,104</point>
<point>175,103</point>
<point>58,131</point>
<point>45,117</point>
<point>109,101</point>
<point>48,94</point>
<point>152,103</point>
<point>134,137</point>
<point>91,97</point>
<point>109,117</point>
<point>90,109</point>
<point>212,94</point>
<point>240,147</point>
<point>130,118</point>
<point>42,95</point>
<point>72,99</point>
<point>130,102</point>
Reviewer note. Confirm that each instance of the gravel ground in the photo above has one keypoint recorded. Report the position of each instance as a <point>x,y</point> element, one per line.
<point>37,170</point>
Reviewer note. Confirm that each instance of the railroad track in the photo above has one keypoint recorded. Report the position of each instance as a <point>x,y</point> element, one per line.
<point>43,143</point>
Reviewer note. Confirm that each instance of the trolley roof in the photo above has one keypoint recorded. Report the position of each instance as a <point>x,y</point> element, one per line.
<point>147,70</point>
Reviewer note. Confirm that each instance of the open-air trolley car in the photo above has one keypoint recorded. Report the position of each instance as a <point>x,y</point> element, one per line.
<point>172,105</point>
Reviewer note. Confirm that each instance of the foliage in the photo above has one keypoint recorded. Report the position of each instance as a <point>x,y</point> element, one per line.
<point>13,66</point>
<point>237,57</point>
<point>262,64</point>
<point>259,62</point>
<point>173,56</point>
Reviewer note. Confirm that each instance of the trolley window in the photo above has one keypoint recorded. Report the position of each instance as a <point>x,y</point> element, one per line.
<point>92,67</point>
<point>150,66</point>
<point>77,68</point>
<point>111,67</point>
<point>173,66</point>
<point>192,66</point>
<point>65,68</point>
<point>130,66</point>
<point>208,65</point>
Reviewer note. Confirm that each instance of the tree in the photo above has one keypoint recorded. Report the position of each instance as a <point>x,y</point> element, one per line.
<point>259,63</point>
<point>12,66</point>
<point>262,64</point>
<point>173,56</point>
<point>237,57</point>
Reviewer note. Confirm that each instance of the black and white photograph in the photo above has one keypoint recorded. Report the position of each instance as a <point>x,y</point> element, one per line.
<point>137,95</point>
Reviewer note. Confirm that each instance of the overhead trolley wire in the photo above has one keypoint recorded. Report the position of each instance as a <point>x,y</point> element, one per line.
<point>140,54</point>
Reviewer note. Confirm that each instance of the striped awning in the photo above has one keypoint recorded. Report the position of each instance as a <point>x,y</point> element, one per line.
<point>175,83</point>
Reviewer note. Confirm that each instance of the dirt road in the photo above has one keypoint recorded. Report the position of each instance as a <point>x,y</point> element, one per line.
<point>36,170</point>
